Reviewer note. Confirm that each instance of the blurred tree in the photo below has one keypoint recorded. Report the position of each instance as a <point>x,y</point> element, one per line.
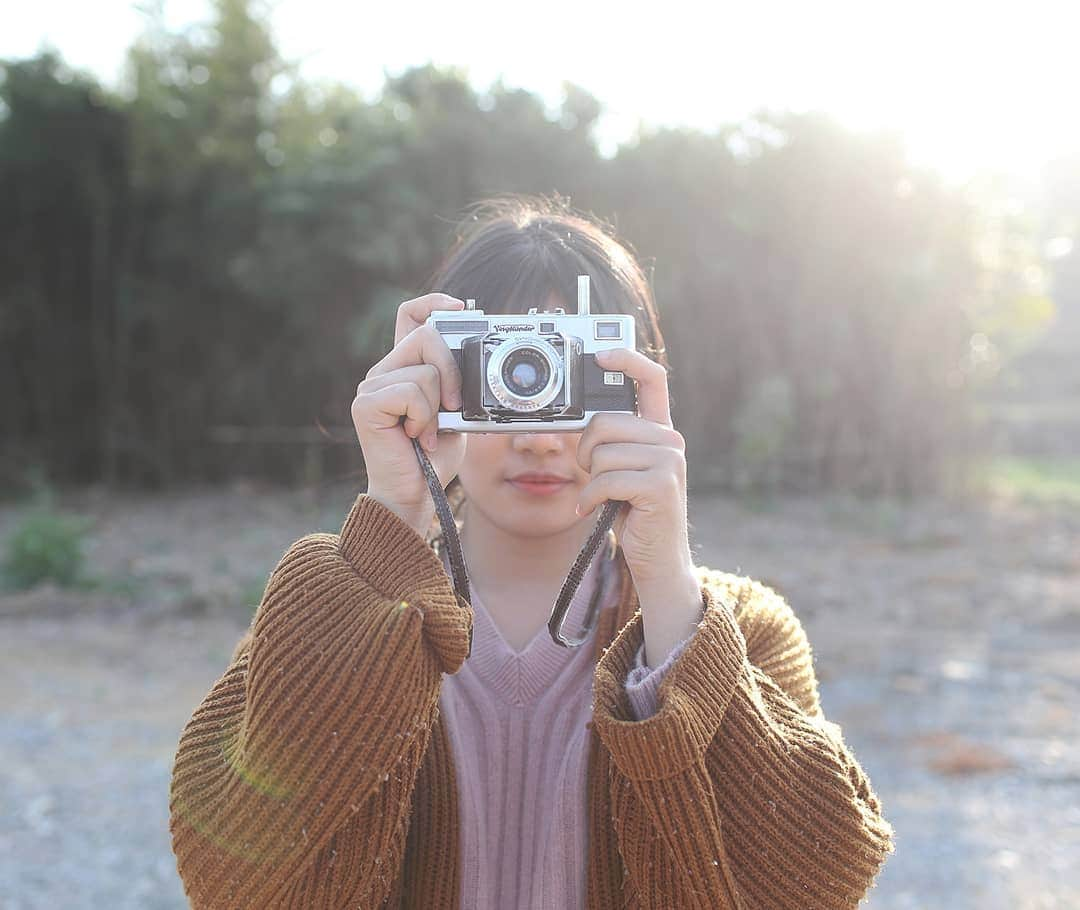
<point>809,254</point>
<point>1028,318</point>
<point>64,158</point>
<point>224,244</point>
<point>204,150</point>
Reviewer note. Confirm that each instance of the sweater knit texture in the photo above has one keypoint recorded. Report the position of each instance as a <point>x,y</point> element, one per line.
<point>319,770</point>
<point>518,728</point>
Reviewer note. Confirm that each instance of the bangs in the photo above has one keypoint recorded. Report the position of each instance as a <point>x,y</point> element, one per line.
<point>519,255</point>
<point>510,274</point>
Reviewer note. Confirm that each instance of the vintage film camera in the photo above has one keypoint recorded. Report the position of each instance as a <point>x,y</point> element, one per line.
<point>535,372</point>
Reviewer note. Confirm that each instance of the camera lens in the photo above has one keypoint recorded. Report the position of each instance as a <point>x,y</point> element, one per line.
<point>524,374</point>
<point>526,371</point>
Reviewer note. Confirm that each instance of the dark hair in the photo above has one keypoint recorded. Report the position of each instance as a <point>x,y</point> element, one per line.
<point>514,251</point>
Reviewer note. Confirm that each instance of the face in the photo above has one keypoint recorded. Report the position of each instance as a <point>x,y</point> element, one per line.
<point>495,477</point>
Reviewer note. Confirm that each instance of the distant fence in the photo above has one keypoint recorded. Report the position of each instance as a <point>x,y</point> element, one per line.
<point>319,456</point>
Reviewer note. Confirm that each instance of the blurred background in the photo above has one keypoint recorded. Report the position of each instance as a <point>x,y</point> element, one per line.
<point>860,222</point>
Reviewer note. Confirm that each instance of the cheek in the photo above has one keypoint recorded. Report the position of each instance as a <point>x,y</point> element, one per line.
<point>484,459</point>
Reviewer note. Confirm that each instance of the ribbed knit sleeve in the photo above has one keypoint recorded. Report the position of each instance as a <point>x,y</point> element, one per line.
<point>737,793</point>
<point>293,778</point>
<point>643,681</point>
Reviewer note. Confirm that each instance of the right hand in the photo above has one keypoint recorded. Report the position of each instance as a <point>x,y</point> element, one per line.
<point>410,381</point>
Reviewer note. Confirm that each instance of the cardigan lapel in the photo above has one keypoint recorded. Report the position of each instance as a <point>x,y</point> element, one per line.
<point>605,876</point>
<point>431,869</point>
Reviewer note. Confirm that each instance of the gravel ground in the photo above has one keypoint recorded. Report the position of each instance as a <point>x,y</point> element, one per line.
<point>946,641</point>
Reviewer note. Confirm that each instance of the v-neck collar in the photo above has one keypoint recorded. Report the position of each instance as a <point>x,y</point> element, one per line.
<point>521,677</point>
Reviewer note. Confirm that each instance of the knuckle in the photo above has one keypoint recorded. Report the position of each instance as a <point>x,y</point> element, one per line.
<point>430,334</point>
<point>678,441</point>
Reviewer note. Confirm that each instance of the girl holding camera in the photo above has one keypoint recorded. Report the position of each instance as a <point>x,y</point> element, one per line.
<point>357,753</point>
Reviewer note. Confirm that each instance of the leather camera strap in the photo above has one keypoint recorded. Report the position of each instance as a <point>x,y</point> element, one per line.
<point>460,574</point>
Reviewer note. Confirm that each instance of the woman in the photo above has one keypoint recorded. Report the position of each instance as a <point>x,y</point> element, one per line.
<point>351,756</point>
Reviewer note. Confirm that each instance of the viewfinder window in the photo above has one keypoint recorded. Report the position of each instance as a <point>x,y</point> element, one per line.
<point>608,330</point>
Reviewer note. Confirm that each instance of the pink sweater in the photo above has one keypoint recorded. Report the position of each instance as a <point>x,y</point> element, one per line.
<point>517,727</point>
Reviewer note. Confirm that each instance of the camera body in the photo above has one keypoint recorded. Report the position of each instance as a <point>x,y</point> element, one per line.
<point>535,372</point>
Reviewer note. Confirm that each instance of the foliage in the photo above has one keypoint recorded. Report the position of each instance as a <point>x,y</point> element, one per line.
<point>222,245</point>
<point>1038,480</point>
<point>45,546</point>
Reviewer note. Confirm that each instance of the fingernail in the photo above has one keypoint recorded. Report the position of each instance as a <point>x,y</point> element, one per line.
<point>577,509</point>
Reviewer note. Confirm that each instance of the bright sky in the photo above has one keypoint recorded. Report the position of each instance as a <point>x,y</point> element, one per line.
<point>971,85</point>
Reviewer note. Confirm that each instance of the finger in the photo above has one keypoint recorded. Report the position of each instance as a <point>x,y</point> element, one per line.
<point>424,375</point>
<point>413,313</point>
<point>627,464</point>
<point>632,456</point>
<point>609,428</point>
<point>651,378</point>
<point>383,408</point>
<point>639,488</point>
<point>425,345</point>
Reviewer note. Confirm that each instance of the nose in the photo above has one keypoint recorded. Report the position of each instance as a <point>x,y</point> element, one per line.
<point>539,443</point>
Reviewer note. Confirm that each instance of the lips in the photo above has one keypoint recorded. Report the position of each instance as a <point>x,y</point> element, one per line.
<point>539,483</point>
<point>540,477</point>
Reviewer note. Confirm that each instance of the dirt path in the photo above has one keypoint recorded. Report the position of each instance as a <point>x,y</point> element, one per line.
<point>947,643</point>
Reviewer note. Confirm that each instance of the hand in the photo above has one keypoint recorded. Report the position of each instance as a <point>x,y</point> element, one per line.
<point>411,381</point>
<point>640,459</point>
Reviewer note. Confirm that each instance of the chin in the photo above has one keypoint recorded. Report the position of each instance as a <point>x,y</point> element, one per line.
<point>522,526</point>
<point>540,518</point>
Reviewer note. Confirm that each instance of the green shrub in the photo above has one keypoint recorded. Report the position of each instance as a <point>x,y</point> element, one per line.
<point>46,545</point>
<point>251,594</point>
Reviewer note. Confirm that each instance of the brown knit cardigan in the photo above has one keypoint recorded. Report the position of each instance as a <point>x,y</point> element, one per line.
<point>317,772</point>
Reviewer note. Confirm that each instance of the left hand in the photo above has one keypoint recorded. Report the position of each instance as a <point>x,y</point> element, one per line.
<point>640,459</point>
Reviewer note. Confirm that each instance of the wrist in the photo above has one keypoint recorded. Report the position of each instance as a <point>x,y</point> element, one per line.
<point>661,579</point>
<point>670,613</point>
<point>418,516</point>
